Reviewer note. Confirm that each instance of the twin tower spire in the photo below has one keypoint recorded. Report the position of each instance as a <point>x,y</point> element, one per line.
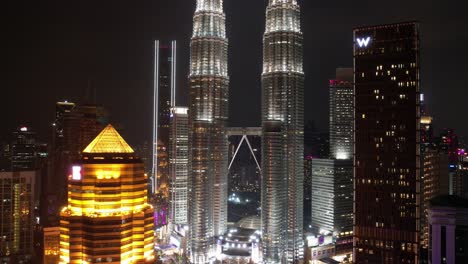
<point>282,122</point>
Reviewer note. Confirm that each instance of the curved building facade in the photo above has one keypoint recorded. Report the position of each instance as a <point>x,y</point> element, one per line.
<point>208,97</point>
<point>108,218</point>
<point>283,125</point>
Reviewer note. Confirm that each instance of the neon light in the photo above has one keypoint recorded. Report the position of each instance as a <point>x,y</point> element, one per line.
<point>76,173</point>
<point>363,42</point>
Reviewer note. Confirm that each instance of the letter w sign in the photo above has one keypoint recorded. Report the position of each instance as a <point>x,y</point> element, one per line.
<point>363,42</point>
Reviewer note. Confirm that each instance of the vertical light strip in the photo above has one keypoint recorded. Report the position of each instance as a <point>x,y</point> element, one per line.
<point>155,117</point>
<point>174,73</point>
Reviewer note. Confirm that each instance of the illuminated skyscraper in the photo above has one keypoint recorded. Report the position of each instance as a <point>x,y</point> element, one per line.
<point>178,165</point>
<point>17,201</point>
<point>23,150</point>
<point>208,90</point>
<point>387,144</point>
<point>342,114</point>
<point>283,135</point>
<point>165,74</point>
<point>107,218</point>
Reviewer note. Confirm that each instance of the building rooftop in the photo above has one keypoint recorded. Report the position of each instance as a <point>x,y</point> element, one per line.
<point>449,201</point>
<point>108,141</point>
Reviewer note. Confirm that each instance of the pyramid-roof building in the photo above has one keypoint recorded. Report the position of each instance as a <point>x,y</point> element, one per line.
<point>108,141</point>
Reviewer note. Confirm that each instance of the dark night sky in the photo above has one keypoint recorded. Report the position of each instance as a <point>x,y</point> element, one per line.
<point>51,49</point>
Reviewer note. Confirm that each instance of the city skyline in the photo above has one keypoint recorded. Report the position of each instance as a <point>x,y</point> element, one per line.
<point>349,165</point>
<point>103,69</point>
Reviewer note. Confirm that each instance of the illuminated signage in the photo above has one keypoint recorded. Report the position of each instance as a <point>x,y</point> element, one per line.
<point>24,129</point>
<point>76,173</point>
<point>363,42</point>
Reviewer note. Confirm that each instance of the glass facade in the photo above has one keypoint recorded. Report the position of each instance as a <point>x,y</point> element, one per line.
<point>342,115</point>
<point>17,200</point>
<point>283,134</point>
<point>208,103</point>
<point>164,99</point>
<point>178,165</point>
<point>332,197</point>
<point>387,138</point>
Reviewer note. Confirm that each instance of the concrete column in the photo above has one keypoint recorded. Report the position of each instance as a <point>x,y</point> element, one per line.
<point>450,244</point>
<point>436,236</point>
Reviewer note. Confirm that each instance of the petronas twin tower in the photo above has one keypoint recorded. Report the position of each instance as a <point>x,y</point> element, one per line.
<point>282,121</point>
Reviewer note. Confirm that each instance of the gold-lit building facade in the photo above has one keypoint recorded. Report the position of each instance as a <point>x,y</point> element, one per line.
<point>51,244</point>
<point>107,218</point>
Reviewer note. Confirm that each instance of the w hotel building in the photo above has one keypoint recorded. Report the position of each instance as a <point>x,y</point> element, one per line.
<point>387,162</point>
<point>107,218</point>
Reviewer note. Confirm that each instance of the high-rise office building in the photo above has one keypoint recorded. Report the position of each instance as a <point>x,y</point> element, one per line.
<point>387,139</point>
<point>23,150</point>
<point>332,196</point>
<point>17,201</point>
<point>75,126</point>
<point>435,182</point>
<point>342,114</point>
<point>427,131</point>
<point>107,218</point>
<point>208,97</point>
<point>165,74</point>
<point>283,134</point>
<point>179,165</point>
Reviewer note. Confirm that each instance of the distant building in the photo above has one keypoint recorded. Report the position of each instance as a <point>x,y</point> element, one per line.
<point>18,197</point>
<point>162,175</point>
<point>448,225</point>
<point>164,99</point>
<point>23,150</point>
<point>435,182</point>
<point>5,159</point>
<point>51,245</point>
<point>179,165</point>
<point>107,196</point>
<point>387,143</point>
<point>332,199</point>
<point>463,176</point>
<point>449,144</point>
<point>342,114</point>
<point>427,130</point>
<point>75,126</point>
<point>316,143</point>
